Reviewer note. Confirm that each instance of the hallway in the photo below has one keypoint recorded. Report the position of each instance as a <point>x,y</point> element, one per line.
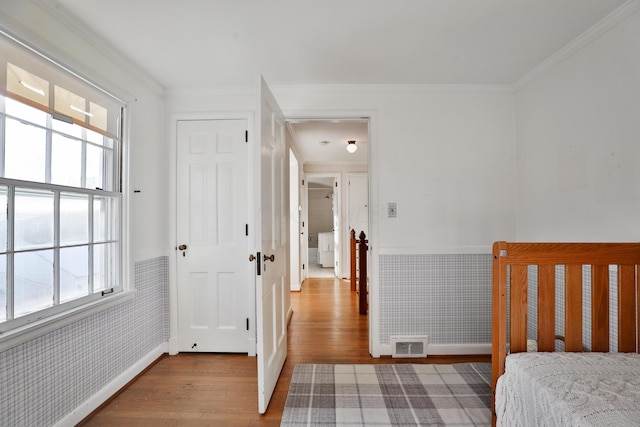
<point>203,389</point>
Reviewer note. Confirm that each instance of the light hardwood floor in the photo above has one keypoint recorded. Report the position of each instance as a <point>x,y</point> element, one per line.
<point>202,389</point>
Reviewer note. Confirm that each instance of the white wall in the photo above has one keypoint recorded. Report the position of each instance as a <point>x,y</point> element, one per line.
<point>53,379</point>
<point>578,144</point>
<point>81,52</point>
<point>443,154</point>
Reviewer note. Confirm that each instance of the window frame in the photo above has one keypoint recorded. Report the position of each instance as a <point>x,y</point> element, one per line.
<point>24,328</point>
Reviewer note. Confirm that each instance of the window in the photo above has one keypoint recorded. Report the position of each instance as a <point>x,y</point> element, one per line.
<point>60,189</point>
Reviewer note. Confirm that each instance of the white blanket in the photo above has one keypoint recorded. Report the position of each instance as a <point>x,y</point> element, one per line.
<point>569,389</point>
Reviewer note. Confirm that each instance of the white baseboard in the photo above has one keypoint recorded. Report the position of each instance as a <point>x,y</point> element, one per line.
<point>446,349</point>
<point>173,346</point>
<point>94,402</point>
<point>289,314</point>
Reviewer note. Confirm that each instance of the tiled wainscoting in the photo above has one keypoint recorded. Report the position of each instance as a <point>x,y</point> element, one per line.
<point>45,379</point>
<point>447,297</point>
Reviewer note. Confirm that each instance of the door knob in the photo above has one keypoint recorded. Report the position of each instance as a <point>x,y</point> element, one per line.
<point>252,257</point>
<point>269,258</point>
<point>182,247</point>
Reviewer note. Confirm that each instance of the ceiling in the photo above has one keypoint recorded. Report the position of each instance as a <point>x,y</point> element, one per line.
<point>191,44</point>
<point>325,141</point>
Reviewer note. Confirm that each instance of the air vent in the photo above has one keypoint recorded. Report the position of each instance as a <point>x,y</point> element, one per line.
<point>414,346</point>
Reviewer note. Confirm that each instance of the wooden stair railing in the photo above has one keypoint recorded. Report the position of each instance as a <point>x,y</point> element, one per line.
<point>359,249</point>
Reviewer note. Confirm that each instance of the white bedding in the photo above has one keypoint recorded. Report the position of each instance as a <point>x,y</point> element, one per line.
<point>569,389</point>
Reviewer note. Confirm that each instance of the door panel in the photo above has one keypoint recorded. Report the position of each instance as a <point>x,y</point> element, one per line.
<point>212,215</point>
<point>359,203</point>
<point>271,284</point>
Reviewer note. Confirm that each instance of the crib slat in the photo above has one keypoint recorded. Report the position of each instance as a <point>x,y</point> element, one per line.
<point>518,308</point>
<point>599,308</point>
<point>546,307</point>
<point>573,307</point>
<point>626,308</point>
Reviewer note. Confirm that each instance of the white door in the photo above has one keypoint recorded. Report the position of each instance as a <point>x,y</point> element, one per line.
<point>272,201</point>
<point>359,203</point>
<point>337,232</point>
<point>212,212</point>
<point>295,225</point>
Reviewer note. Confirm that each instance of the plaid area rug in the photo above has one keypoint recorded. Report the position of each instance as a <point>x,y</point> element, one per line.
<point>389,395</point>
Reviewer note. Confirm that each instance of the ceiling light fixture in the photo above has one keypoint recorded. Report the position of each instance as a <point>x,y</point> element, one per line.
<point>351,146</point>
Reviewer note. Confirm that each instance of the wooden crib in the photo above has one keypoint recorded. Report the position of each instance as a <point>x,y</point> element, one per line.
<point>511,269</point>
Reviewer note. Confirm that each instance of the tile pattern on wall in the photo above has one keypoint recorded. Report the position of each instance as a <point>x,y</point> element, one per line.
<point>45,379</point>
<point>444,296</point>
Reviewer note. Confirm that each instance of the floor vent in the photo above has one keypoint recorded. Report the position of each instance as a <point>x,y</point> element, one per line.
<point>415,346</point>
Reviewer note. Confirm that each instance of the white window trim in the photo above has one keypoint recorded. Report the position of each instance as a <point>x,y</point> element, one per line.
<point>35,329</point>
<point>41,327</point>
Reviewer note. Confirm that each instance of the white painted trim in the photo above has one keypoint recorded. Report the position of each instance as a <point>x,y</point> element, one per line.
<point>390,88</point>
<point>248,116</point>
<point>289,314</point>
<point>599,29</point>
<point>41,327</point>
<point>209,92</point>
<point>447,349</point>
<point>336,88</point>
<point>85,33</point>
<point>372,170</point>
<point>437,250</point>
<point>374,297</point>
<point>94,402</point>
<point>173,346</point>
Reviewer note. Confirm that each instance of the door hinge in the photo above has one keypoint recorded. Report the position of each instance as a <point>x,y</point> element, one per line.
<point>247,323</point>
<point>246,136</point>
<point>303,266</point>
<point>246,229</point>
<point>303,182</point>
<point>258,267</point>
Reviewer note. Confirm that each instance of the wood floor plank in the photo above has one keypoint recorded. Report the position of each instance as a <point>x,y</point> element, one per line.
<point>204,389</point>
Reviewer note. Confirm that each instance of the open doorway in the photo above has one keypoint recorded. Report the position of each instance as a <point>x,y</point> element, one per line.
<point>324,225</point>
<point>326,166</point>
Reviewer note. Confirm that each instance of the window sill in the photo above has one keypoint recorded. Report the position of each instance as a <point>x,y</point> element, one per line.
<point>33,330</point>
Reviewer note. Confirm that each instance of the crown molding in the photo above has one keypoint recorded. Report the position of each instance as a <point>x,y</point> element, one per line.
<point>83,32</point>
<point>210,91</point>
<point>390,88</point>
<point>358,89</point>
<point>596,31</point>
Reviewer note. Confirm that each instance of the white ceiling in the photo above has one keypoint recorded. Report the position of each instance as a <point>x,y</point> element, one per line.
<point>190,44</point>
<point>325,141</point>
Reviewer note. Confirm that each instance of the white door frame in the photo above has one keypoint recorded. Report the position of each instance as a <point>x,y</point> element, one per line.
<point>375,207</point>
<point>172,218</point>
<point>337,191</point>
<point>374,204</point>
<point>295,220</point>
